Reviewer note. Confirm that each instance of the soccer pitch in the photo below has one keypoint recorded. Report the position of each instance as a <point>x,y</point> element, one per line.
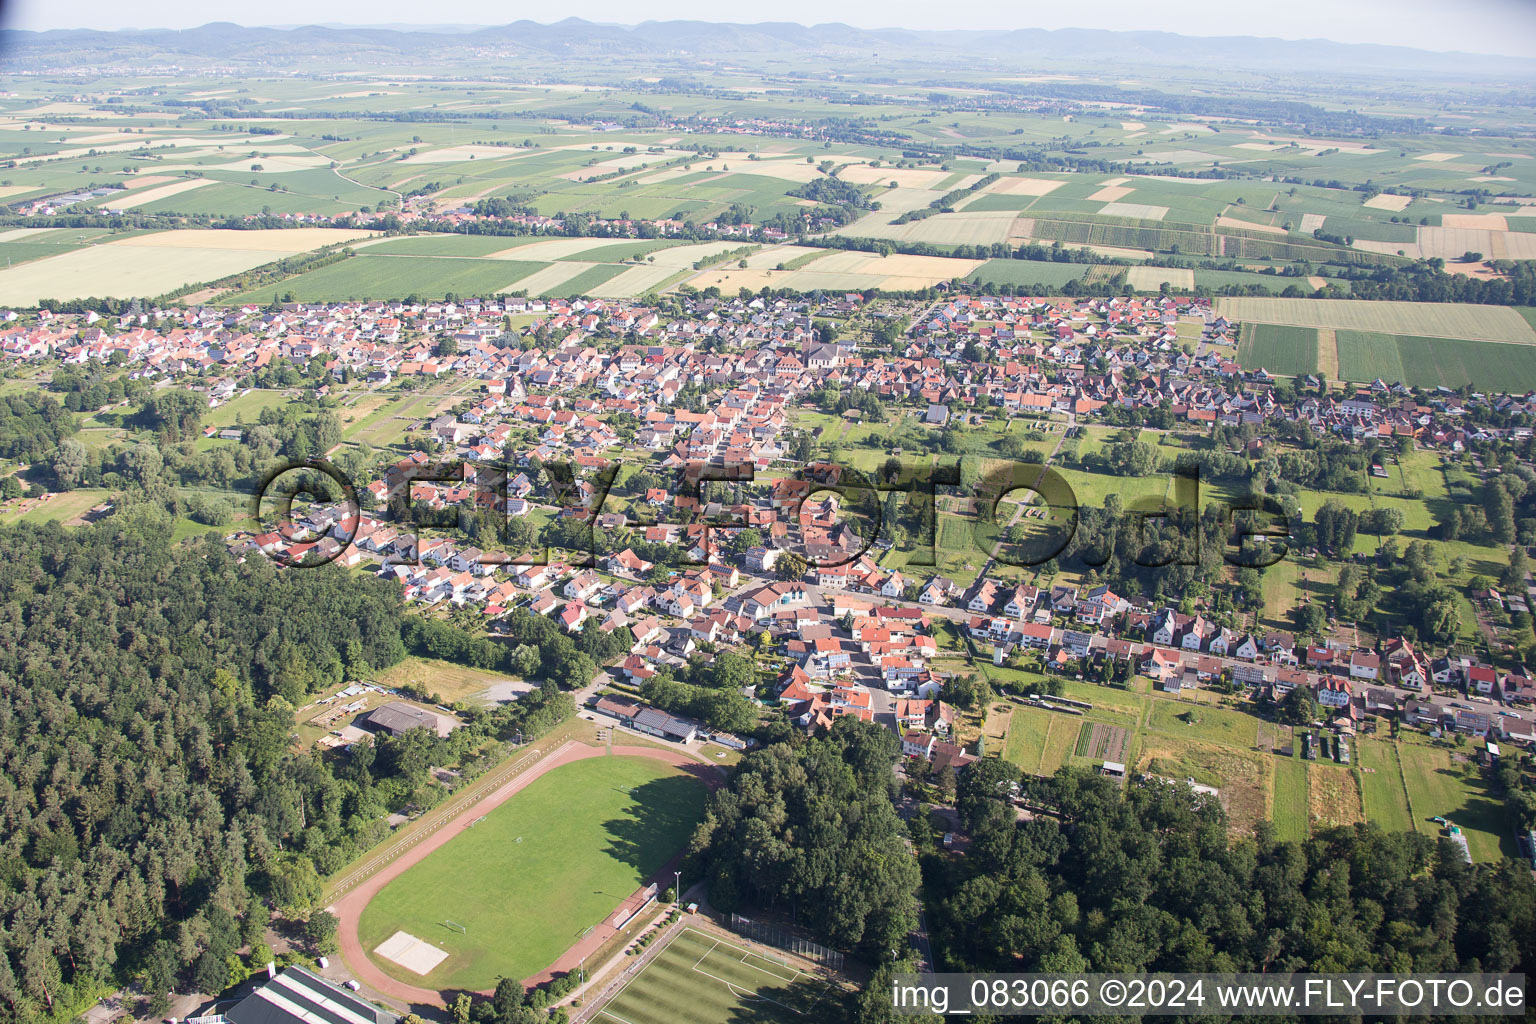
<point>703,979</point>
<point>508,896</point>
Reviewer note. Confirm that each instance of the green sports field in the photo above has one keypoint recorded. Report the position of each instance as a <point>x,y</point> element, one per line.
<point>538,871</point>
<point>702,979</point>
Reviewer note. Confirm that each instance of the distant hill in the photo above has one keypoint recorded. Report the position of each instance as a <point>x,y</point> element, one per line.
<point>227,44</point>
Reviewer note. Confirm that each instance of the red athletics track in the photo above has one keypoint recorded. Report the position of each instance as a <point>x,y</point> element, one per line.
<point>349,908</point>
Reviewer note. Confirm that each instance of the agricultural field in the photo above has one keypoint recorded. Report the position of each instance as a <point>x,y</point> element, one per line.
<point>527,880</point>
<point>1398,784</point>
<point>1288,351</point>
<point>1429,362</point>
<point>155,263</point>
<point>1027,273</point>
<point>367,276</point>
<point>1425,319</point>
<point>704,978</point>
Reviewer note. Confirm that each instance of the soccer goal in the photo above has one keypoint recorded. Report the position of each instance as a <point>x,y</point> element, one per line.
<point>456,927</point>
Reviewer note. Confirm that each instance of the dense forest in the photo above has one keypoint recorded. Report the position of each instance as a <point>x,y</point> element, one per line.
<point>155,812</point>
<point>1148,878</point>
<point>810,831</point>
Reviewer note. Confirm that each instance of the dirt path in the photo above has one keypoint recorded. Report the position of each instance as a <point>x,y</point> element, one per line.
<point>349,908</point>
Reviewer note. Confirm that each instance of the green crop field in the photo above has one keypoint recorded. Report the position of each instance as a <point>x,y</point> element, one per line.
<point>367,276</point>
<point>1290,351</point>
<point>1026,273</point>
<point>1431,319</point>
<point>704,979</point>
<point>585,281</point>
<point>590,833</point>
<point>448,245</point>
<point>1427,362</point>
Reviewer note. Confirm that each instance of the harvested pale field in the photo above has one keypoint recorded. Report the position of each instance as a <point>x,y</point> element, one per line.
<point>1310,222</point>
<point>279,240</point>
<point>1118,252</point>
<point>456,154</point>
<point>1182,126</point>
<point>767,259</point>
<point>1178,156</point>
<point>1489,177</point>
<point>1233,222</point>
<point>269,164</point>
<point>664,175</point>
<point>1132,126</point>
<point>552,249</point>
<point>1150,279</point>
<point>1387,201</point>
<point>960,228</point>
<point>154,195</point>
<point>22,234</point>
<point>1451,243</point>
<point>1171,180</point>
<point>634,281</point>
<point>785,170</point>
<point>1023,186</point>
<point>1274,147</point>
<point>893,203</point>
<point>1437,157</point>
<point>1477,221</point>
<point>1316,282</point>
<point>1139,211</point>
<point>146,180</point>
<point>6,191</point>
<point>847,271</point>
<point>1423,319</point>
<point>681,257</point>
<point>1110,194</point>
<point>1114,181</point>
<point>90,151</point>
<point>904,177</point>
<point>1408,249</point>
<point>731,281</point>
<point>149,265</point>
<point>622,163</point>
<point>549,278</point>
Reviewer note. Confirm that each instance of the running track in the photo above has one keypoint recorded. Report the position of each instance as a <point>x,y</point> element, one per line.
<point>349,908</point>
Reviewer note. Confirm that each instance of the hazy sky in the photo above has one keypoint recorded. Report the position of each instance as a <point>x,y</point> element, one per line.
<point>1476,26</point>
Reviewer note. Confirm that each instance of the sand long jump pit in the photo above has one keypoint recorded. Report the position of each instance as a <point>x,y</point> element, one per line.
<point>416,955</point>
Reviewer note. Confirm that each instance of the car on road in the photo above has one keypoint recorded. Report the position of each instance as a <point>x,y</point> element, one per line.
<point>1511,714</point>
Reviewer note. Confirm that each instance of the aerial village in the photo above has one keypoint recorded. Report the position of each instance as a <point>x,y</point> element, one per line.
<point>855,637</point>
